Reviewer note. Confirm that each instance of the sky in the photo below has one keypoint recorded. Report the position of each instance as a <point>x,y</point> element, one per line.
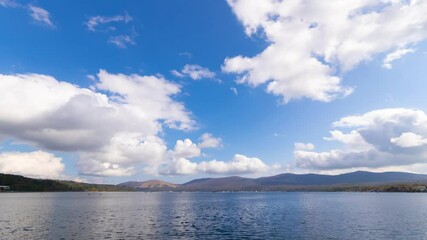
<point>113,91</point>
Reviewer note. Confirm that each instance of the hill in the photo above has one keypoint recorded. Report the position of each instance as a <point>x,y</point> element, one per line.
<point>24,184</point>
<point>151,184</point>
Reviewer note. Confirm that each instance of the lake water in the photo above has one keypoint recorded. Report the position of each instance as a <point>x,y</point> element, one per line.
<point>213,216</point>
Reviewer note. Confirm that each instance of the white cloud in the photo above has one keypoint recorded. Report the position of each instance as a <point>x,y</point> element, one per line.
<point>240,164</point>
<point>352,140</point>
<point>94,22</point>
<point>186,54</point>
<point>113,127</point>
<point>122,155</point>
<point>9,3</point>
<point>151,95</point>
<point>110,25</point>
<point>399,53</point>
<point>36,164</point>
<point>409,139</point>
<point>311,42</point>
<point>122,41</point>
<point>382,138</point>
<point>304,146</point>
<point>209,141</point>
<point>177,74</point>
<point>194,72</point>
<point>40,15</point>
<point>186,149</point>
<point>234,90</point>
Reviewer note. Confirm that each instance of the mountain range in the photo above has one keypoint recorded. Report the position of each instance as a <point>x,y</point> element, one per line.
<point>354,181</point>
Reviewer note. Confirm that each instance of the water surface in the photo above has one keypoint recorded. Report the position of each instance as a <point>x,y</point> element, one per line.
<point>213,216</point>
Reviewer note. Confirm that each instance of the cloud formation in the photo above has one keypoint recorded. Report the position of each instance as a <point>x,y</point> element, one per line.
<point>186,149</point>
<point>93,23</point>
<point>193,71</point>
<point>381,138</point>
<point>40,15</point>
<point>393,56</point>
<point>110,25</point>
<point>178,160</point>
<point>311,42</point>
<point>209,141</point>
<point>113,126</point>
<point>304,146</point>
<point>240,164</point>
<point>8,3</point>
<point>38,164</point>
<point>122,41</point>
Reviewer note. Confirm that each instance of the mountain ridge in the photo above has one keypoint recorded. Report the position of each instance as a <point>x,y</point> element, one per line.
<point>291,181</point>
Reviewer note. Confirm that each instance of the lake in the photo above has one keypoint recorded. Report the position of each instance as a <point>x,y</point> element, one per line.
<point>138,215</point>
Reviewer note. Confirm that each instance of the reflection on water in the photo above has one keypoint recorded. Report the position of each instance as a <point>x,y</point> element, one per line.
<point>213,216</point>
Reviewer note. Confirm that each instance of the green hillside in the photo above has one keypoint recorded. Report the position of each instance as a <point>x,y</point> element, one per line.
<point>24,184</point>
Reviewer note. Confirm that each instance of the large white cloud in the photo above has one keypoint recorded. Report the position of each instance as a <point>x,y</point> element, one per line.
<point>150,95</point>
<point>114,126</point>
<point>123,155</point>
<point>240,164</point>
<point>36,164</point>
<point>377,139</point>
<point>311,42</point>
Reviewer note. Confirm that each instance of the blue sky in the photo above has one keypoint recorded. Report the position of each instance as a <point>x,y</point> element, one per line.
<point>218,60</point>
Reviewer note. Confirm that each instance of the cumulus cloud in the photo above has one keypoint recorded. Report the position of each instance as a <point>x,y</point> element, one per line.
<point>152,95</point>
<point>311,43</point>
<point>40,15</point>
<point>207,140</point>
<point>240,164</point>
<point>186,149</point>
<point>113,126</point>
<point>409,139</point>
<point>178,160</point>
<point>194,72</point>
<point>377,139</point>
<point>399,53</point>
<point>36,164</point>
<point>122,155</point>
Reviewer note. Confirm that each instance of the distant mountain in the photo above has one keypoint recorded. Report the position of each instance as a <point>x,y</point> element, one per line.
<point>347,178</point>
<point>23,184</point>
<point>149,184</point>
<point>355,181</point>
<point>218,184</point>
